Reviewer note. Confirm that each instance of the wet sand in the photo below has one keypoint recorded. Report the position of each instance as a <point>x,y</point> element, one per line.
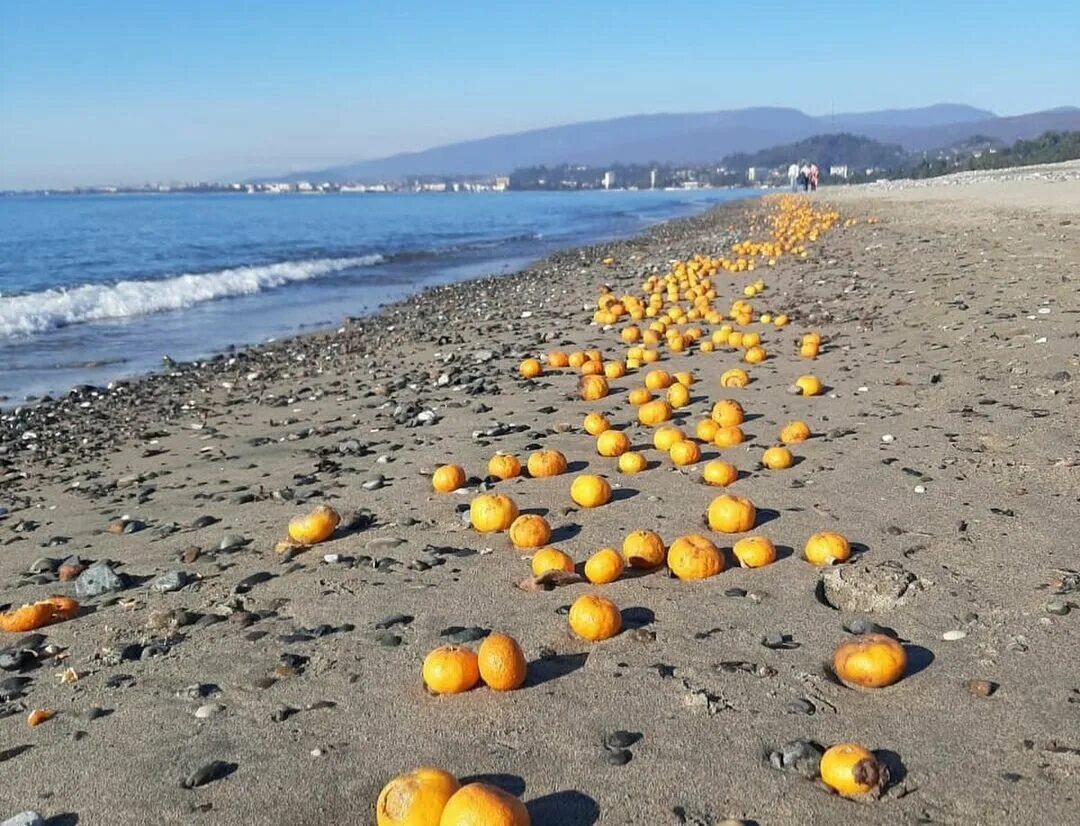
<point>307,671</point>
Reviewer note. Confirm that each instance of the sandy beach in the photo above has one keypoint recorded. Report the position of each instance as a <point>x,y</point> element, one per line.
<point>944,448</point>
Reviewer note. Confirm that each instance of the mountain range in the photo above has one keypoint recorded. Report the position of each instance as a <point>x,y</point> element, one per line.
<point>698,138</point>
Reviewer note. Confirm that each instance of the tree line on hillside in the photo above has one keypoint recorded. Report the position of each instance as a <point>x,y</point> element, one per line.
<point>860,158</point>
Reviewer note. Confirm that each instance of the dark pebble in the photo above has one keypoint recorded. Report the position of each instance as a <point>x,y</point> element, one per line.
<point>462,635</point>
<point>801,707</point>
<point>735,592</point>
<point>394,619</point>
<point>621,739</point>
<point>618,757</point>
<point>208,773</point>
<point>387,639</point>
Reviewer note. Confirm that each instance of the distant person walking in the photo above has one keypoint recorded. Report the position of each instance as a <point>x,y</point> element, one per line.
<point>814,173</point>
<point>793,177</point>
<point>804,177</point>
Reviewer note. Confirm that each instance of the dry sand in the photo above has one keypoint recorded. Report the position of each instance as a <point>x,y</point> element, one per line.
<point>935,337</point>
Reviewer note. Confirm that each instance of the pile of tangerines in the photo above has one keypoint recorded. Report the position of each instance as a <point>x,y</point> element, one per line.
<point>675,313</point>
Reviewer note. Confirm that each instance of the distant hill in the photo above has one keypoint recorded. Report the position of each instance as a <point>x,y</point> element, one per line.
<point>846,149</point>
<point>696,138</point>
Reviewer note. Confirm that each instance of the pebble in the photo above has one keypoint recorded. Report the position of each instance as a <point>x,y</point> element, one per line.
<point>801,707</point>
<point>981,688</point>
<point>208,710</point>
<point>26,818</point>
<point>1058,607</point>
<point>800,756</point>
<point>455,633</point>
<point>618,757</point>
<point>888,438</point>
<point>920,489</point>
<point>98,579</point>
<point>621,739</point>
<point>865,626</point>
<point>387,639</point>
<point>373,482</point>
<point>169,581</point>
<point>207,773</point>
<point>231,541</point>
<point>952,636</point>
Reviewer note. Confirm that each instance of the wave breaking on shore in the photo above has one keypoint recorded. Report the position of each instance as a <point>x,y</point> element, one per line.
<point>54,308</point>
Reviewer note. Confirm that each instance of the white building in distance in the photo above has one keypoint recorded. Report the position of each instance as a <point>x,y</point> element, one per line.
<point>838,171</point>
<point>609,179</point>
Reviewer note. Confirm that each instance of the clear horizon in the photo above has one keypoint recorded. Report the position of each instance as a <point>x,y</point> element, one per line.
<point>124,93</point>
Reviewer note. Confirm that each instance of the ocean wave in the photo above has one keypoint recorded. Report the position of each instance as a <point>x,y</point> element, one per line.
<point>50,309</point>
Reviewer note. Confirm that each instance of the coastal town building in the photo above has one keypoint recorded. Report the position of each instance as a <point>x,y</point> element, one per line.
<point>609,179</point>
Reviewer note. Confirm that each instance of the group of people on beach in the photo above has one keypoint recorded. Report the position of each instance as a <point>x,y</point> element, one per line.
<point>803,176</point>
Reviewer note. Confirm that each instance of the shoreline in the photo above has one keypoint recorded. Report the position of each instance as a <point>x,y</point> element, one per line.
<point>10,408</point>
<point>403,270</point>
<point>943,447</point>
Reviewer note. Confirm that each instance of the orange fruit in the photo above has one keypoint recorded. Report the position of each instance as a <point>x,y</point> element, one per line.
<point>851,770</point>
<point>612,443</point>
<point>594,618</point>
<point>551,559</point>
<point>870,661</point>
<point>643,549</point>
<point>632,462</point>
<point>694,557</point>
<point>450,669</point>
<point>731,514</point>
<point>604,566</point>
<point>530,368</point>
<point>501,662</point>
<point>479,804</point>
<point>415,799</point>
<point>590,491</point>
<point>754,551</point>
<point>318,525</point>
<point>826,548</point>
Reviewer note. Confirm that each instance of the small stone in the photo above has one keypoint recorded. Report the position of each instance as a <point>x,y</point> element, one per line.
<point>801,707</point>
<point>190,554</point>
<point>207,773</point>
<point>621,739</point>
<point>93,713</point>
<point>888,438</point>
<point>169,581</point>
<point>1058,607</point>
<point>98,579</point>
<point>43,565</point>
<point>800,756</point>
<point>373,482</point>
<point>865,626</point>
<point>920,489</point>
<point>231,541</point>
<point>618,757</point>
<point>981,688</point>
<point>70,568</point>
<point>208,710</point>
<point>462,636</point>
<point>26,818</point>
<point>387,639</point>
<point>735,592</point>
<point>952,636</point>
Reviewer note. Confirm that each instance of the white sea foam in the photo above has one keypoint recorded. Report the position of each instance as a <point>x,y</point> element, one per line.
<point>49,309</point>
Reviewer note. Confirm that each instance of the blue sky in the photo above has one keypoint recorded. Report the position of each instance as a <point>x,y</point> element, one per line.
<point>116,91</point>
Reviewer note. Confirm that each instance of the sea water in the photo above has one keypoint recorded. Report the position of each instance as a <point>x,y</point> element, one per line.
<point>99,287</point>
